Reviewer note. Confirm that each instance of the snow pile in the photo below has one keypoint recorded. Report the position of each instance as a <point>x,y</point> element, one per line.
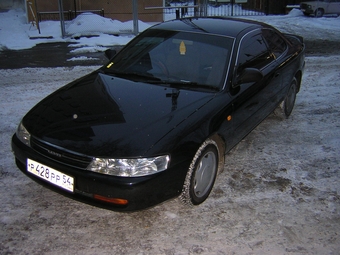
<point>16,34</point>
<point>93,24</point>
<point>311,28</point>
<point>13,31</point>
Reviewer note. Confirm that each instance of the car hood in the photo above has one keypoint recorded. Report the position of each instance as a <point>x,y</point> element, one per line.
<point>103,116</point>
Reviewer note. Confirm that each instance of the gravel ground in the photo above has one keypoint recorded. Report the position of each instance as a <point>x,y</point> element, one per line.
<point>279,192</point>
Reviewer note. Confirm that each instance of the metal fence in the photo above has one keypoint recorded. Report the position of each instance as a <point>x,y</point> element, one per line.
<point>233,10</point>
<point>68,15</point>
<point>216,8</point>
<point>172,9</point>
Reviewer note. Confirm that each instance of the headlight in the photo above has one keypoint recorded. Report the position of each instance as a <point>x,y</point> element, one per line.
<point>129,167</point>
<point>23,135</point>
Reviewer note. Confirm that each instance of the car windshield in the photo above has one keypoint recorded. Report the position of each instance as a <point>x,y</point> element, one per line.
<point>173,58</point>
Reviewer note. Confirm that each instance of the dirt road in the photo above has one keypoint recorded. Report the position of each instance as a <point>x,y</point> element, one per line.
<point>279,192</point>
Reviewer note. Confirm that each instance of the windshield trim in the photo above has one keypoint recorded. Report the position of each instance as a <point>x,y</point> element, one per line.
<point>119,65</point>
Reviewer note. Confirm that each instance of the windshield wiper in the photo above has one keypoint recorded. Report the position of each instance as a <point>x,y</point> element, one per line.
<point>133,76</point>
<point>184,84</point>
<point>187,85</point>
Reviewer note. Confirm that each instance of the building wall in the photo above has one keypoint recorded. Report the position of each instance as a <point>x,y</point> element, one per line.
<point>114,9</point>
<point>12,4</point>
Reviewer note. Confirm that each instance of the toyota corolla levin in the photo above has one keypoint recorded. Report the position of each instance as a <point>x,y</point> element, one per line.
<point>156,121</point>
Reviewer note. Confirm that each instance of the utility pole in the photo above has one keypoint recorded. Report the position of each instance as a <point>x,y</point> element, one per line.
<point>135,16</point>
<point>62,19</point>
<point>232,7</point>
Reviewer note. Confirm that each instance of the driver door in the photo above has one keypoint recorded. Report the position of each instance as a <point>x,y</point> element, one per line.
<point>252,101</point>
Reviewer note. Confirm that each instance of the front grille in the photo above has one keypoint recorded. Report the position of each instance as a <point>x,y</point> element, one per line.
<point>60,155</point>
<point>303,6</point>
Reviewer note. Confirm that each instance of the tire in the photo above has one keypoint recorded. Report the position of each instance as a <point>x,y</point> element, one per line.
<point>201,175</point>
<point>319,13</point>
<point>286,106</point>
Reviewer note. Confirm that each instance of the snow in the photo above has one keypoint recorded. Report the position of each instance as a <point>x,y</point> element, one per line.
<point>279,192</point>
<point>309,27</point>
<point>16,34</point>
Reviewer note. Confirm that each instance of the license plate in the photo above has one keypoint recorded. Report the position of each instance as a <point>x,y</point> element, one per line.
<point>51,175</point>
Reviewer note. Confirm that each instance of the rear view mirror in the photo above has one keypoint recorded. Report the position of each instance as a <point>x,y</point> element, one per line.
<point>249,75</point>
<point>110,53</point>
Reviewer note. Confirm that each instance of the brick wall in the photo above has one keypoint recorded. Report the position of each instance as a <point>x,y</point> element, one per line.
<point>114,9</point>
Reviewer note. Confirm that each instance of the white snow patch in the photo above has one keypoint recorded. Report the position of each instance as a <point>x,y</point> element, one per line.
<point>15,33</point>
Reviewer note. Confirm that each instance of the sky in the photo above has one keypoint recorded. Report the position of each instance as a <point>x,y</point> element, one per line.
<point>16,34</point>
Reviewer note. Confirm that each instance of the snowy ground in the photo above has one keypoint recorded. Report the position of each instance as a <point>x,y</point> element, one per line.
<point>279,193</point>
<point>15,33</point>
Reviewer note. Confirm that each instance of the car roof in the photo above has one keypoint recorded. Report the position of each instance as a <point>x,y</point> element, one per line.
<point>231,27</point>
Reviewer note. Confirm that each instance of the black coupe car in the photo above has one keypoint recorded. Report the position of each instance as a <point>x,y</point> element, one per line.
<point>156,121</point>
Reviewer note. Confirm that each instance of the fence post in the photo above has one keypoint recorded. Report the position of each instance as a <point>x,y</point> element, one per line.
<point>196,9</point>
<point>232,7</point>
<point>135,16</point>
<point>62,20</point>
<point>204,8</point>
<point>266,10</point>
<point>75,8</point>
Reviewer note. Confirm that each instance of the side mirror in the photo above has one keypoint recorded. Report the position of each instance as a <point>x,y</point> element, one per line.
<point>249,75</point>
<point>110,53</point>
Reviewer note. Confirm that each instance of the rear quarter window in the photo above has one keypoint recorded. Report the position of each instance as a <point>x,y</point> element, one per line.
<point>276,43</point>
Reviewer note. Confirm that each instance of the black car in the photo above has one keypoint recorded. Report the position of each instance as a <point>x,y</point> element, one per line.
<point>157,120</point>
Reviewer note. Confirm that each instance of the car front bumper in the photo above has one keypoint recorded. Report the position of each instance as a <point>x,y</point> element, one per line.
<point>307,9</point>
<point>140,192</point>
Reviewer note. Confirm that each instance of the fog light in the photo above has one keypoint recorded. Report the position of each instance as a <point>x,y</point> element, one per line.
<point>111,200</point>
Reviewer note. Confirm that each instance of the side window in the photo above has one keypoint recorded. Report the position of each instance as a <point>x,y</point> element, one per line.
<point>253,52</point>
<point>275,42</point>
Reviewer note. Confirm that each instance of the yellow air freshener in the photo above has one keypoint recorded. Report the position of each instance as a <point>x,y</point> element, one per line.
<point>182,48</point>
<point>109,65</point>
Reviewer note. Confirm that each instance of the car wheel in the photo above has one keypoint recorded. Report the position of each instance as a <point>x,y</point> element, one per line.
<point>319,12</point>
<point>201,175</point>
<point>286,106</point>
